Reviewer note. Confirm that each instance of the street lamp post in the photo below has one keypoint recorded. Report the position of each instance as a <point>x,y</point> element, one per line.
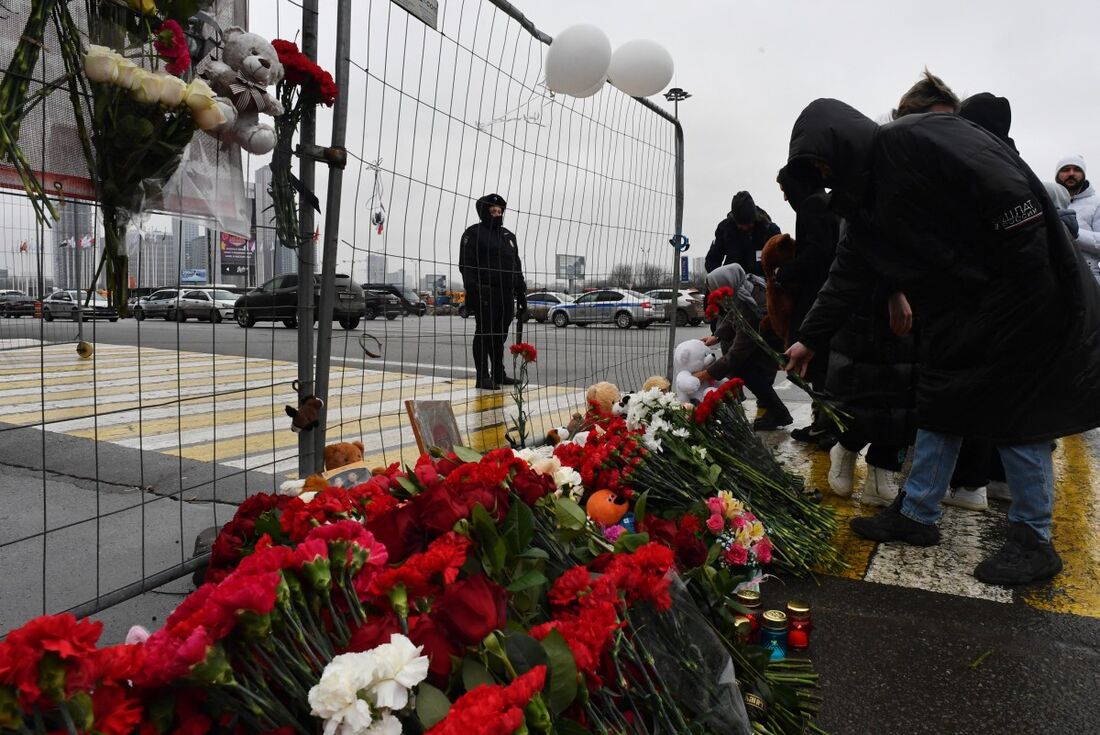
<point>679,242</point>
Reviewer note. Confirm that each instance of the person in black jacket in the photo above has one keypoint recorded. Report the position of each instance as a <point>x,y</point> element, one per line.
<point>741,236</point>
<point>816,231</point>
<point>1010,316</point>
<point>488,259</point>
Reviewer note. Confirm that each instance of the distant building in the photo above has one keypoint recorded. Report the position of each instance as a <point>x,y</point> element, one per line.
<point>74,269</point>
<point>376,268</point>
<point>397,278</point>
<point>272,258</point>
<point>154,258</point>
<point>433,283</point>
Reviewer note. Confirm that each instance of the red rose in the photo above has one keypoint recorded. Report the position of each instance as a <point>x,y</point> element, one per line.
<point>530,486</point>
<point>399,531</point>
<point>660,530</point>
<point>438,647</point>
<point>471,609</point>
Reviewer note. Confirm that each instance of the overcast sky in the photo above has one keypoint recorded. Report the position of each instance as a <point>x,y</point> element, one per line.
<point>751,67</point>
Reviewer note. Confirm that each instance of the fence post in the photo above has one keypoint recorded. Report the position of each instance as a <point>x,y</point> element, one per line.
<point>336,160</point>
<point>306,247</point>
<point>676,241</point>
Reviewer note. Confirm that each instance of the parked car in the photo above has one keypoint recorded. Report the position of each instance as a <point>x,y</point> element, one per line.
<point>14,304</point>
<point>156,304</point>
<point>381,303</point>
<point>69,305</point>
<point>689,306</point>
<point>277,301</point>
<point>205,304</point>
<point>539,304</point>
<point>411,303</point>
<point>619,306</point>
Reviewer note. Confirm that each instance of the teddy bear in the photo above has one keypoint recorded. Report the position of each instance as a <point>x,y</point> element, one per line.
<point>248,66</point>
<point>659,382</point>
<point>343,453</point>
<point>602,397</point>
<point>778,251</point>
<point>688,358</point>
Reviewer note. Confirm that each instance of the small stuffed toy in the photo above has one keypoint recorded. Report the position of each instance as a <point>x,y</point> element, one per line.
<point>778,251</point>
<point>690,357</point>
<point>249,65</point>
<point>606,508</point>
<point>602,397</point>
<point>307,415</point>
<point>341,454</point>
<point>659,382</point>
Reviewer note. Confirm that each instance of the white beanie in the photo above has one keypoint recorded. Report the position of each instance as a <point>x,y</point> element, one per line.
<point>1074,160</point>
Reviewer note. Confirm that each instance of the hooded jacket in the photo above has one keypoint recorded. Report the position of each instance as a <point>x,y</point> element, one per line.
<point>488,255</point>
<point>1010,316</point>
<point>731,245</point>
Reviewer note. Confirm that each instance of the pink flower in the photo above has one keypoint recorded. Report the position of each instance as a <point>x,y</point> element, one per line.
<point>612,533</point>
<point>716,523</point>
<point>740,522</point>
<point>763,551</point>
<point>736,555</point>
<point>716,505</point>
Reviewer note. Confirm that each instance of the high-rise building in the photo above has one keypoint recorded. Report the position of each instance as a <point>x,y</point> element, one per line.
<point>272,257</point>
<point>397,278</point>
<point>154,258</point>
<point>74,269</point>
<point>376,268</point>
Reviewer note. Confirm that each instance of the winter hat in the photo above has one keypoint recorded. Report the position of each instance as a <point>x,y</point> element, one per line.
<point>991,112</point>
<point>489,200</point>
<point>1072,160</point>
<point>743,208</point>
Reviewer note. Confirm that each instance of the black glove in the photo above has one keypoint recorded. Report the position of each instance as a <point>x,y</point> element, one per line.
<point>521,302</point>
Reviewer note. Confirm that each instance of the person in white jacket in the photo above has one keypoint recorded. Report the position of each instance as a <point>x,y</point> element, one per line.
<point>1085,202</point>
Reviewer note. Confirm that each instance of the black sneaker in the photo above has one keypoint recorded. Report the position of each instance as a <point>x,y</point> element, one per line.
<point>1024,558</point>
<point>486,384</point>
<point>890,525</point>
<point>772,420</point>
<point>809,434</point>
<point>505,380</point>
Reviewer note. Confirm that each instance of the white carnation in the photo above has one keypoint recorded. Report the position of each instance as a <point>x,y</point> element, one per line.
<point>335,698</point>
<point>398,667</point>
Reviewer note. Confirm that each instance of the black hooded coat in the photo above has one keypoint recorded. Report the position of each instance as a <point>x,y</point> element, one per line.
<point>488,255</point>
<point>1009,315</point>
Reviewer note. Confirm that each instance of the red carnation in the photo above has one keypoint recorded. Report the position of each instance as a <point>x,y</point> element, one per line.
<point>171,44</point>
<point>524,351</point>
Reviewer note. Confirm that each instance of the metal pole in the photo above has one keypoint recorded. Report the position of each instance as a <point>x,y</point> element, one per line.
<point>306,248</point>
<point>677,239</point>
<point>332,223</point>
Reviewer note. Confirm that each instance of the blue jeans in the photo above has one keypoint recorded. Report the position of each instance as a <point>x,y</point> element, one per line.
<point>1029,471</point>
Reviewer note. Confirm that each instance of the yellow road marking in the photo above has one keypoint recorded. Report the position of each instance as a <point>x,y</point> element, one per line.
<point>1076,528</point>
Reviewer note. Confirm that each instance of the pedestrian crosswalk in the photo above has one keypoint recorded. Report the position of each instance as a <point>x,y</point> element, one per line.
<point>970,536</point>
<point>229,409</point>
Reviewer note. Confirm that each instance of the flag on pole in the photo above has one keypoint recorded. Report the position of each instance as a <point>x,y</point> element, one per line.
<point>23,247</point>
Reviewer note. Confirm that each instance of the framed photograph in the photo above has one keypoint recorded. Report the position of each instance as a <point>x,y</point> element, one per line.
<point>434,425</point>
<point>349,475</point>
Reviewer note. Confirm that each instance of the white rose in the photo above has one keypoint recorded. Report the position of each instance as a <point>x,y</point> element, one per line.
<point>101,64</point>
<point>208,118</point>
<point>149,88</point>
<point>129,74</point>
<point>173,91</point>
<point>199,96</point>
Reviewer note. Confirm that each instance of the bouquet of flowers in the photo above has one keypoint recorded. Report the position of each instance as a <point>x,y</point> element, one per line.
<point>523,354</point>
<point>304,86</point>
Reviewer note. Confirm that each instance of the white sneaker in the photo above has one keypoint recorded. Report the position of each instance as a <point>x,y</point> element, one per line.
<point>880,488</point>
<point>968,498</point>
<point>998,490</point>
<point>842,469</point>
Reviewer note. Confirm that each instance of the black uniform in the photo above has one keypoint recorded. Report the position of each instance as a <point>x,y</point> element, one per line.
<point>731,245</point>
<point>488,259</point>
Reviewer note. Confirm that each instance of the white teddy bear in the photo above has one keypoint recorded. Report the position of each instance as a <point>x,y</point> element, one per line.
<point>691,357</point>
<point>248,66</point>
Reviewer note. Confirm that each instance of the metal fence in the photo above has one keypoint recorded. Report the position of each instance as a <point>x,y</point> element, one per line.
<point>113,463</point>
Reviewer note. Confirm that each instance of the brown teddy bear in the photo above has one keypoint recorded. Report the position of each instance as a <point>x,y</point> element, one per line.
<point>659,382</point>
<point>602,397</point>
<point>778,251</point>
<point>343,453</point>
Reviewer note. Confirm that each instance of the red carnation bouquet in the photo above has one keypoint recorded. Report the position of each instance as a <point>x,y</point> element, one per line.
<point>523,354</point>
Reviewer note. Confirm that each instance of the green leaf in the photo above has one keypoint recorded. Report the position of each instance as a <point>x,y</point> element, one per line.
<point>526,581</point>
<point>639,508</point>
<point>524,652</point>
<point>408,486</point>
<point>563,672</point>
<point>713,473</point>
<point>179,10</point>
<point>569,727</point>
<point>570,515</point>
<point>466,454</point>
<point>432,705</point>
<point>533,552</point>
<point>474,674</point>
<point>628,543</point>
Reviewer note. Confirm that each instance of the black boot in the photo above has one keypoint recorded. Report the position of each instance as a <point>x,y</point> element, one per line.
<point>773,418</point>
<point>890,525</point>
<point>505,380</point>
<point>484,383</point>
<point>1024,558</point>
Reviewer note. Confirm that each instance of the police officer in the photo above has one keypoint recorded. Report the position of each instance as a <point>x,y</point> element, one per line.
<point>488,259</point>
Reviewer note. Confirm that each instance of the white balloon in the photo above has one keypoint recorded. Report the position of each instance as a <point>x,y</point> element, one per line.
<point>577,59</point>
<point>595,88</point>
<point>641,68</point>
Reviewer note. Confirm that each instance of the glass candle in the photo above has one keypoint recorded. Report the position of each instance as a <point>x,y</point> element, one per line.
<point>773,633</point>
<point>750,600</point>
<point>799,625</point>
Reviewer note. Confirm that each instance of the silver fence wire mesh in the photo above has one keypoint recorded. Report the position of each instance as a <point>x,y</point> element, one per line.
<point>115,461</point>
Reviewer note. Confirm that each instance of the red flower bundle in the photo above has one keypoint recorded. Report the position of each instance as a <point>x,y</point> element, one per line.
<point>492,710</point>
<point>171,44</point>
<point>524,351</point>
<point>607,459</point>
<point>728,390</point>
<point>316,83</point>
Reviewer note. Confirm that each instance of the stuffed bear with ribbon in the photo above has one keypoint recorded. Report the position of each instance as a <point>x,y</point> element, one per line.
<point>248,66</point>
